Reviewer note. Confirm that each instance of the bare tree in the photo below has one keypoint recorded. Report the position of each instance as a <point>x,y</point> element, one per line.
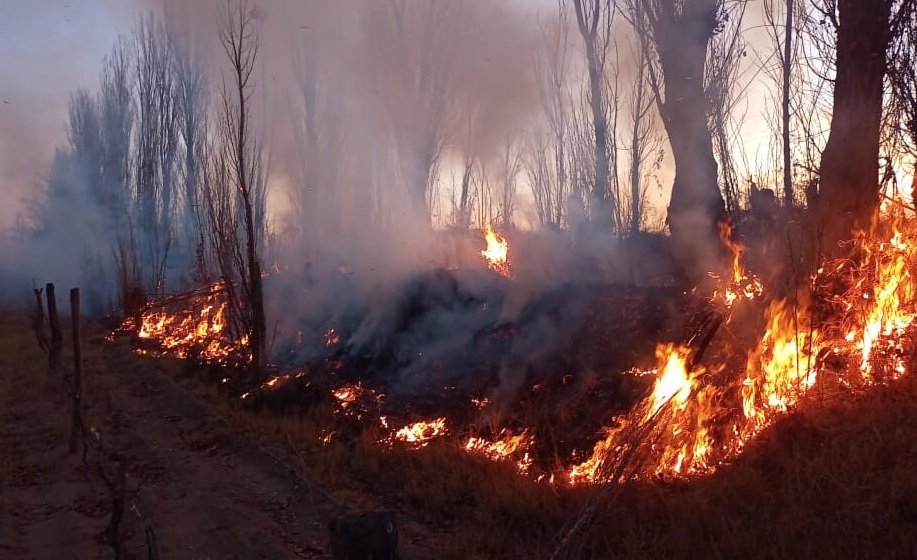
<point>812,93</point>
<point>424,34</point>
<point>903,79</point>
<point>462,211</point>
<point>190,103</point>
<point>786,63</point>
<point>240,173</point>
<point>589,15</point>
<point>546,156</point>
<point>156,148</point>
<point>117,120</point>
<point>723,89</point>
<point>541,180</point>
<point>84,133</point>
<point>510,167</point>
<point>644,140</point>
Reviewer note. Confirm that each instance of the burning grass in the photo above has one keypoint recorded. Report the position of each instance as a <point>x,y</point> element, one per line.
<point>697,412</point>
<point>189,326</point>
<point>833,480</point>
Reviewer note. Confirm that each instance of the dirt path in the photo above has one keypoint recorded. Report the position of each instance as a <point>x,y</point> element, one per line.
<point>205,491</point>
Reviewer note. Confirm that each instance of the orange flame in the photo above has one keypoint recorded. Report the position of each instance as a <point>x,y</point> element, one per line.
<point>420,433</point>
<point>885,309</point>
<point>505,447</point>
<point>693,418</point>
<point>496,252</point>
<point>197,329</point>
<point>743,284</point>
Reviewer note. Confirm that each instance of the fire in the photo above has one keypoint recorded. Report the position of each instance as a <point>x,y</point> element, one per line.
<point>196,329</point>
<point>692,417</point>
<point>356,401</point>
<point>673,416</point>
<point>348,394</point>
<point>886,308</point>
<point>674,384</point>
<point>688,424</point>
<point>275,381</point>
<point>743,284</point>
<point>504,448</point>
<point>496,252</point>
<point>420,433</point>
<point>780,369</point>
<point>331,337</point>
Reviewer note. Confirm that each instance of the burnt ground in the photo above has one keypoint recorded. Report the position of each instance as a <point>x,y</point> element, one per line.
<point>560,368</point>
<point>203,487</point>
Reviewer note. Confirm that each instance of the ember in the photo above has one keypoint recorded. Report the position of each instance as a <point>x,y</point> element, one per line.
<point>348,394</point>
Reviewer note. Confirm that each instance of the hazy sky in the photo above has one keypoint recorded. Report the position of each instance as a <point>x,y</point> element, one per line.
<point>48,48</point>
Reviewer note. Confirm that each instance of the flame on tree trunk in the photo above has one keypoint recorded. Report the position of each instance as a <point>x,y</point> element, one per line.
<point>849,194</point>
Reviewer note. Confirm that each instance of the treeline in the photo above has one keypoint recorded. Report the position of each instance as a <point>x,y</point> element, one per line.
<point>164,177</point>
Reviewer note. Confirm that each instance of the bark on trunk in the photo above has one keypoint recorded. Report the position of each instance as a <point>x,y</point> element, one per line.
<point>785,106</point>
<point>849,192</point>
<point>601,204</point>
<point>696,205</point>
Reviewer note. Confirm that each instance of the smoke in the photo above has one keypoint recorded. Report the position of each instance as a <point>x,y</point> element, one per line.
<point>357,103</point>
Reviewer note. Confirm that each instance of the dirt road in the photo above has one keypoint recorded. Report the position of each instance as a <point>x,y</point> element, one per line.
<point>203,490</point>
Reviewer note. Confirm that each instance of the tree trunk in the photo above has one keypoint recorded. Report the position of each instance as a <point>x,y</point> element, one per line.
<point>696,205</point>
<point>601,205</point>
<point>849,192</point>
<point>635,148</point>
<point>785,105</point>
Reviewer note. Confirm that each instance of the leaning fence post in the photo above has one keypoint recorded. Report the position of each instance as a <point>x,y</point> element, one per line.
<point>76,427</point>
<point>57,339</point>
<point>38,322</point>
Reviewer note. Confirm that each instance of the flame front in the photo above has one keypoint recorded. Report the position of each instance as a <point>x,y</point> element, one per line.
<point>689,424</point>
<point>197,329</point>
<point>674,384</point>
<point>883,306</point>
<point>506,447</point>
<point>692,418</point>
<point>420,433</point>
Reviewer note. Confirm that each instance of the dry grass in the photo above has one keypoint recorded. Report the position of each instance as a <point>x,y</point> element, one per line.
<point>837,479</point>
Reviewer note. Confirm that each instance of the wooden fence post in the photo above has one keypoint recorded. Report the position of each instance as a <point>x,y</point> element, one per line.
<point>38,322</point>
<point>76,428</point>
<point>57,339</point>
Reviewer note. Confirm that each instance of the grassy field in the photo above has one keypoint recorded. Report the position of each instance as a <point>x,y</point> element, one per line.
<point>836,479</point>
